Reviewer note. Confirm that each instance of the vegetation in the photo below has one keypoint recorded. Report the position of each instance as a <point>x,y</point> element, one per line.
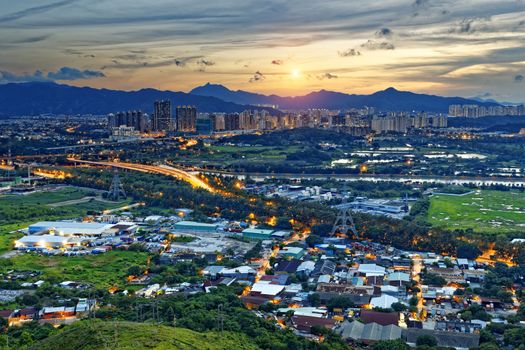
<point>101,271</point>
<point>484,211</point>
<point>95,335</point>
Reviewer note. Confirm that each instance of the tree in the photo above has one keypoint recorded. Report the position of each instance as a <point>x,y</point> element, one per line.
<point>397,344</point>
<point>314,299</point>
<point>135,271</point>
<point>313,240</point>
<point>398,307</point>
<point>426,339</point>
<point>468,251</point>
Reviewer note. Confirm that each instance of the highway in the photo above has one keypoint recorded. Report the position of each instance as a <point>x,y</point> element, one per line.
<point>183,175</point>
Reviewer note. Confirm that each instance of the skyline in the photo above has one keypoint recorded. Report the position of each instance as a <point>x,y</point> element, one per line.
<point>475,48</point>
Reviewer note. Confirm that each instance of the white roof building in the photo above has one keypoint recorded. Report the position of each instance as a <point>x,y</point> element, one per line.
<point>384,301</point>
<point>65,228</point>
<point>47,241</point>
<point>371,270</point>
<point>267,289</point>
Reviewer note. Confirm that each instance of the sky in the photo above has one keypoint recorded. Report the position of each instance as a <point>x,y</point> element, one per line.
<point>291,47</point>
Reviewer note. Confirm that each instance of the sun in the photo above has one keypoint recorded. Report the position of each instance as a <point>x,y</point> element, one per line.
<point>296,73</point>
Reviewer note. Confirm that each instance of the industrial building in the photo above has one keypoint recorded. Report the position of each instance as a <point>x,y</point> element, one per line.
<point>257,233</point>
<point>194,227</point>
<point>64,228</point>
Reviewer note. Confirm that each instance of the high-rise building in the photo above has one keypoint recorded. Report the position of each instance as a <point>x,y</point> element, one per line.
<point>186,119</point>
<point>161,120</point>
<point>135,119</point>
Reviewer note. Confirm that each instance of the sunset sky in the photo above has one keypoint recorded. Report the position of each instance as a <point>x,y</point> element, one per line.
<point>292,47</point>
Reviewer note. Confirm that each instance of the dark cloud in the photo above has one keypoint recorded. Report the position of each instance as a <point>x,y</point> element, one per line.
<point>419,3</point>
<point>384,33</point>
<point>349,53</point>
<point>68,73</point>
<point>33,39</point>
<point>64,73</point>
<point>327,76</point>
<point>8,77</point>
<point>519,78</point>
<point>378,45</point>
<point>34,10</point>
<point>205,63</point>
<point>278,62</point>
<point>472,25</point>
<point>256,77</point>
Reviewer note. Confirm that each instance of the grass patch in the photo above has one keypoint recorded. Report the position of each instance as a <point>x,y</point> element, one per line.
<point>101,271</point>
<point>484,211</point>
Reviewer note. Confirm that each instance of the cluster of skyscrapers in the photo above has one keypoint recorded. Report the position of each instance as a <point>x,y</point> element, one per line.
<point>477,111</point>
<point>357,122</point>
<point>162,119</point>
<point>401,122</point>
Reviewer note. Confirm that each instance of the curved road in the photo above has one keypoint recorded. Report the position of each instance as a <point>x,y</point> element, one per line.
<point>192,179</point>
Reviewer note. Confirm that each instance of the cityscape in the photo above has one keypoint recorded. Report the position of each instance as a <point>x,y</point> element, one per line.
<point>280,175</point>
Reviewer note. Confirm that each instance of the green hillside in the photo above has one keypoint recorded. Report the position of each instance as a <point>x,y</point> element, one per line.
<point>100,335</point>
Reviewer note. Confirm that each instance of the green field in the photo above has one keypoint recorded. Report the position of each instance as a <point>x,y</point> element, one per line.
<point>483,211</point>
<point>91,335</point>
<point>19,211</point>
<point>101,271</point>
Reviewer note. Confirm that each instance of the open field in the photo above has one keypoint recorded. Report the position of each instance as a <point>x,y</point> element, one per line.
<point>19,211</point>
<point>101,271</point>
<point>484,211</point>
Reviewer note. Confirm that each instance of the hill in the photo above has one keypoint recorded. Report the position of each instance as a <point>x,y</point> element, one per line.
<point>50,98</point>
<point>98,335</point>
<point>386,100</point>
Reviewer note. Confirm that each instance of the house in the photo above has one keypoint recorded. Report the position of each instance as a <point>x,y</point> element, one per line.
<point>275,279</point>
<point>266,289</point>
<point>367,333</point>
<point>451,275</point>
<point>371,270</point>
<point>384,301</point>
<point>287,266</point>
<point>382,318</point>
<point>306,268</point>
<point>304,324</point>
<point>240,272</point>
<point>291,252</point>
<point>398,279</point>
<point>324,267</point>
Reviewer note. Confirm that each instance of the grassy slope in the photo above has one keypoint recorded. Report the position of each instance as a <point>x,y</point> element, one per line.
<point>89,335</point>
<point>483,211</point>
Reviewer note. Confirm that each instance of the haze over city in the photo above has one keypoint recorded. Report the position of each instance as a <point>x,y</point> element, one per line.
<point>468,48</point>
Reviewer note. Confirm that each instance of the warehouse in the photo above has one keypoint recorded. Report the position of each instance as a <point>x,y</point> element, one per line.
<point>257,233</point>
<point>64,228</point>
<point>47,241</point>
<point>194,227</point>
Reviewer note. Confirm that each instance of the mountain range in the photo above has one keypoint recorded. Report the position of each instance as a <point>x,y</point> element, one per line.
<point>37,98</point>
<point>385,100</point>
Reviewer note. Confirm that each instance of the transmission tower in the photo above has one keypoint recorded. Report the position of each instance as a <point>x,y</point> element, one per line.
<point>116,190</point>
<point>344,221</point>
<point>9,165</point>
<point>220,318</point>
